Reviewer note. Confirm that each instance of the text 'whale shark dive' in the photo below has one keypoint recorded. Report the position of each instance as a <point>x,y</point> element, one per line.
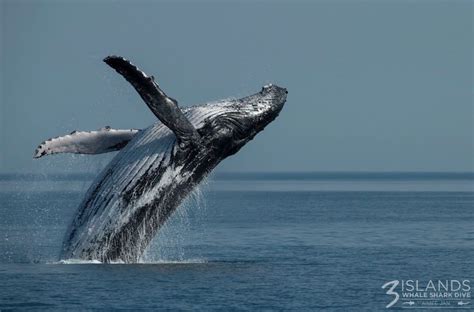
<point>156,167</point>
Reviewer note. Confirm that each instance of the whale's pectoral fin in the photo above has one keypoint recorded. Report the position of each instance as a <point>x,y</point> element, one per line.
<point>87,142</point>
<point>164,107</point>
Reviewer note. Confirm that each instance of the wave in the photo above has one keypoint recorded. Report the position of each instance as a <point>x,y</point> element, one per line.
<point>160,261</point>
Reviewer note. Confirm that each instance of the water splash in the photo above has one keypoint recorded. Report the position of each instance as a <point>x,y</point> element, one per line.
<point>43,199</point>
<point>175,242</point>
<point>76,261</point>
<point>172,243</point>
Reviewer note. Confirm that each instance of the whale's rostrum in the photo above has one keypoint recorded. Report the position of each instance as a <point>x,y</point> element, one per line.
<point>155,168</point>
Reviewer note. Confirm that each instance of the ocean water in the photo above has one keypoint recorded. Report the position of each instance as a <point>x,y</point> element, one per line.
<point>299,242</point>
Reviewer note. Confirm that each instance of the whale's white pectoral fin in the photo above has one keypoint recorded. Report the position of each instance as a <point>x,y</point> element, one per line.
<point>164,107</point>
<point>87,142</point>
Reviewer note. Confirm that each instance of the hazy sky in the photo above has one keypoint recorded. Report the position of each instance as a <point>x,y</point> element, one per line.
<point>373,85</point>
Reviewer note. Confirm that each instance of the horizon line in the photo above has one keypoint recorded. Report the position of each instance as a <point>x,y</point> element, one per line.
<point>270,175</point>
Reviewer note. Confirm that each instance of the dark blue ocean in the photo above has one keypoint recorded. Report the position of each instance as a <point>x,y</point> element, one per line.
<point>249,241</point>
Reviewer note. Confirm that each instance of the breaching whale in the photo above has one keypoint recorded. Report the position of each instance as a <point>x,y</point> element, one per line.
<point>155,168</point>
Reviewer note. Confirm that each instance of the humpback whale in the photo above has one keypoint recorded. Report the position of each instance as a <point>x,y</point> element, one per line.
<point>155,168</point>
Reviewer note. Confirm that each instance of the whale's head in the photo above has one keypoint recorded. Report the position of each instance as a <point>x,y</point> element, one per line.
<point>241,119</point>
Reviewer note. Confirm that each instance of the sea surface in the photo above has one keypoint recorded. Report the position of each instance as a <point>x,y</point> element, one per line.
<point>249,241</point>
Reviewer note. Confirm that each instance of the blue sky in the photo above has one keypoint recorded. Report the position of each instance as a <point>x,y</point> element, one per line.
<point>373,85</point>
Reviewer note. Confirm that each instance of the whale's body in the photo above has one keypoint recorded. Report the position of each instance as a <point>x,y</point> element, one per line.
<point>155,170</point>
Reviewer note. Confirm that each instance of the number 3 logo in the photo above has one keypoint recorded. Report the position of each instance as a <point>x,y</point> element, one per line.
<point>391,291</point>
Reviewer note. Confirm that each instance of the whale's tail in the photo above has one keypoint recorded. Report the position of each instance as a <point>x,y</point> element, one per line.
<point>87,142</point>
